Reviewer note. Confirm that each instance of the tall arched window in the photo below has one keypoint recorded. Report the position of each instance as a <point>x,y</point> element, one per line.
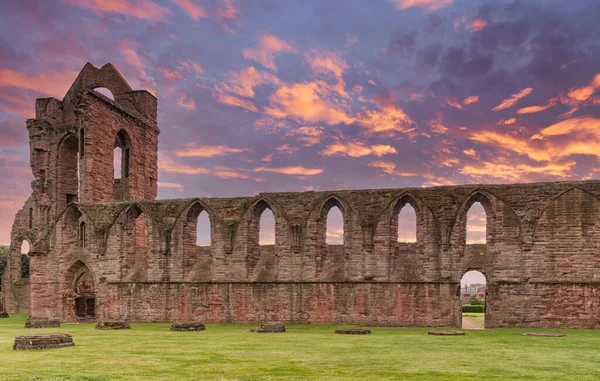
<point>476,224</point>
<point>266,235</point>
<point>68,170</point>
<point>407,224</point>
<point>203,229</point>
<point>81,235</point>
<point>332,223</point>
<point>25,248</point>
<point>121,164</point>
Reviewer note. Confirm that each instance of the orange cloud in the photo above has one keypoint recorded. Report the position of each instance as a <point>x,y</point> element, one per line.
<point>438,127</point>
<point>53,83</point>
<point>207,151</point>
<point>232,100</point>
<point>508,121</point>
<point>185,102</point>
<point>310,135</point>
<point>390,168</point>
<point>357,149</point>
<point>267,159</point>
<point>470,152</point>
<point>328,62</point>
<point>287,148</point>
<point>583,93</point>
<point>453,103</point>
<point>477,25</point>
<point>242,83</point>
<point>388,119</point>
<point>176,186</point>
<point>576,136</point>
<point>192,9</point>
<point>471,99</point>
<point>268,47</point>
<point>515,172</point>
<point>430,5</point>
<point>168,165</point>
<point>294,171</point>
<point>509,102</point>
<point>142,9</point>
<point>306,101</point>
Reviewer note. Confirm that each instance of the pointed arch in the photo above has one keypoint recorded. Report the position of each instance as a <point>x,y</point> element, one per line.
<point>122,163</point>
<point>553,199</point>
<point>256,227</point>
<point>326,229</point>
<point>197,227</point>
<point>79,293</point>
<point>67,170</point>
<point>460,225</point>
<point>405,229</point>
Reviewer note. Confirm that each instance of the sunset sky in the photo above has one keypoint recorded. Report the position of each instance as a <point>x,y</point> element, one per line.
<point>274,95</point>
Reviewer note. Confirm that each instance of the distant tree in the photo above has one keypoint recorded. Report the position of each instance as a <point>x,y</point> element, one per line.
<point>475,301</point>
<point>3,261</point>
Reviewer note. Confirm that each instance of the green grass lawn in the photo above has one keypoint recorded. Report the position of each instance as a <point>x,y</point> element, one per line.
<point>475,317</point>
<point>150,351</point>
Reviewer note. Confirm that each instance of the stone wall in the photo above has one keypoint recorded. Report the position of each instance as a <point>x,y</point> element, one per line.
<point>134,258</point>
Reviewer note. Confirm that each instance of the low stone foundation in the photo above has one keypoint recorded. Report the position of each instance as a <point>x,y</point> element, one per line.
<point>353,331</point>
<point>49,341</point>
<point>187,327</point>
<point>41,323</point>
<point>544,334</point>
<point>3,315</point>
<point>109,325</point>
<point>446,333</point>
<point>269,328</point>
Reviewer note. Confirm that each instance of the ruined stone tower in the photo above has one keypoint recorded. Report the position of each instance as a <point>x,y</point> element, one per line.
<point>102,247</point>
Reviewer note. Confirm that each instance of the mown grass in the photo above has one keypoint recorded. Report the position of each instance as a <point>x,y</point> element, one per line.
<point>475,317</point>
<point>306,352</point>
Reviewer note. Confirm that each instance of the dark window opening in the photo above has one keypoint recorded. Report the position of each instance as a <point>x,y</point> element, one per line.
<point>30,218</point>
<point>81,235</point>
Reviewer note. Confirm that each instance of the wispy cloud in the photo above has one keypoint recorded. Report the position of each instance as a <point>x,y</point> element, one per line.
<point>430,5</point>
<point>193,10</point>
<point>268,47</point>
<point>358,149</point>
<point>513,99</point>
<point>293,171</point>
<point>143,9</point>
<point>191,150</point>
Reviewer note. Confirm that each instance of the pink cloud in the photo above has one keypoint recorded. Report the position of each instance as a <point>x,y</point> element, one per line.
<point>143,9</point>
<point>268,47</point>
<point>509,102</point>
<point>193,10</point>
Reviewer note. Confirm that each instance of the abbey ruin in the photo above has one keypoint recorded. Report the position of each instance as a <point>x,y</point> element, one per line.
<point>102,248</point>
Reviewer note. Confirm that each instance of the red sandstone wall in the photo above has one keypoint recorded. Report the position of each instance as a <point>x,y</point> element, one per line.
<point>388,304</point>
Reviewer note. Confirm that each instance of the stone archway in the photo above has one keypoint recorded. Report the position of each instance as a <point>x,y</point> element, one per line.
<point>80,294</point>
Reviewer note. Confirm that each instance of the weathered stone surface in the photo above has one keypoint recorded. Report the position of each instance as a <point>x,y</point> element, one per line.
<point>3,315</point>
<point>47,341</point>
<point>187,327</point>
<point>445,333</point>
<point>33,322</point>
<point>353,331</point>
<point>545,334</point>
<point>108,325</point>
<point>271,327</point>
<point>104,249</point>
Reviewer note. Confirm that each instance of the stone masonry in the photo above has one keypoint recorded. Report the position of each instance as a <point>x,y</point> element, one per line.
<point>103,249</point>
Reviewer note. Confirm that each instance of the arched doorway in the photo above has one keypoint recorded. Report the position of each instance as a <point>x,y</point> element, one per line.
<point>80,301</point>
<point>473,295</point>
